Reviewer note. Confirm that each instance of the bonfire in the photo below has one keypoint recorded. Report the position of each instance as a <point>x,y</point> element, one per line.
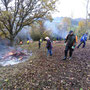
<point>16,54</point>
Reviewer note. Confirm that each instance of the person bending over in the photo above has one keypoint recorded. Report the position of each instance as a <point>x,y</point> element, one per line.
<point>83,40</point>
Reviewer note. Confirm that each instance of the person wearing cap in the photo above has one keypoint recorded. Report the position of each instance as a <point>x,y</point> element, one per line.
<point>48,46</point>
<point>83,40</point>
<point>70,43</point>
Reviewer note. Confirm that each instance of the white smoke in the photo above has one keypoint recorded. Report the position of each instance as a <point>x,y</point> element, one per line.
<point>25,33</point>
<point>53,26</point>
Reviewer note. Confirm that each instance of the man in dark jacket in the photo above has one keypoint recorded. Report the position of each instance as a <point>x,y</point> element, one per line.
<point>83,40</point>
<point>70,43</point>
<point>48,46</point>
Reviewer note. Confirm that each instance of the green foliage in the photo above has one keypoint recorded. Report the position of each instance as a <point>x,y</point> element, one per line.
<point>66,23</point>
<point>23,13</point>
<point>81,28</point>
<point>38,31</point>
<point>35,35</point>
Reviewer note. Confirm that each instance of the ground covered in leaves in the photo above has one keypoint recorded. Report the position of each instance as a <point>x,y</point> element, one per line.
<point>49,73</point>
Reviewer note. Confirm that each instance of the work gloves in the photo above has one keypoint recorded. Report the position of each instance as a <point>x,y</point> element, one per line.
<point>73,47</point>
<point>64,44</point>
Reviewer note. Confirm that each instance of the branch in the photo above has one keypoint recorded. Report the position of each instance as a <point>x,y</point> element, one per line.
<point>30,22</point>
<point>5,3</point>
<point>4,33</point>
<point>5,25</point>
<point>15,12</point>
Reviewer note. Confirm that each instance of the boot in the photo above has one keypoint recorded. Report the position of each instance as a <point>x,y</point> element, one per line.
<point>70,58</point>
<point>64,58</point>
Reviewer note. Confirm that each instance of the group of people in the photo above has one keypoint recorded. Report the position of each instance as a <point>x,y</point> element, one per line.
<point>70,44</point>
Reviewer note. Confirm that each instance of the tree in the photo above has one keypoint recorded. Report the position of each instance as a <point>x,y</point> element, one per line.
<point>15,14</point>
<point>64,26</point>
<point>81,28</point>
<point>66,23</point>
<point>39,31</point>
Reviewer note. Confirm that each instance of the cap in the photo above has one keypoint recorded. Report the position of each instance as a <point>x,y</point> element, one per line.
<point>70,32</point>
<point>47,38</point>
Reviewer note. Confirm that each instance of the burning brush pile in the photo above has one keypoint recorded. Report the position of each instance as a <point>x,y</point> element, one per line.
<point>11,56</point>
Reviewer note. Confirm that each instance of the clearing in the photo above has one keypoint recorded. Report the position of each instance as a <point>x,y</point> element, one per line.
<point>49,73</point>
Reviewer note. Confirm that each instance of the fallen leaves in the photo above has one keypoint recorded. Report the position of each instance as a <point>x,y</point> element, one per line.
<point>52,73</point>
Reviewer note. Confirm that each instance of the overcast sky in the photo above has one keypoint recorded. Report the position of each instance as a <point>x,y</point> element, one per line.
<point>71,8</point>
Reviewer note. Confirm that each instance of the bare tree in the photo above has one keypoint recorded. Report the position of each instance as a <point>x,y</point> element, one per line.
<point>15,14</point>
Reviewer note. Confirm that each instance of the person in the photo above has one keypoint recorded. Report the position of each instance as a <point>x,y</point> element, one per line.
<point>83,40</point>
<point>39,43</point>
<point>28,41</point>
<point>48,46</point>
<point>57,38</point>
<point>21,42</point>
<point>70,43</point>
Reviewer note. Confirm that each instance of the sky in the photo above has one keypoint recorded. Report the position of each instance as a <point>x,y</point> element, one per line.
<point>71,8</point>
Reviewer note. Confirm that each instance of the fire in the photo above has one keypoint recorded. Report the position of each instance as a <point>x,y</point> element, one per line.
<point>10,53</point>
<point>20,58</point>
<point>15,54</point>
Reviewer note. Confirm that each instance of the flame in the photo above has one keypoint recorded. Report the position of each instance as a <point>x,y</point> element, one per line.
<point>10,53</point>
<point>20,58</point>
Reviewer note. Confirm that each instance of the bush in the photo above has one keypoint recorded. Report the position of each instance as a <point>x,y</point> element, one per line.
<point>38,34</point>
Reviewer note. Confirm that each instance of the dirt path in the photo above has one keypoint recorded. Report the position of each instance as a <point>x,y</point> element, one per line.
<point>52,73</point>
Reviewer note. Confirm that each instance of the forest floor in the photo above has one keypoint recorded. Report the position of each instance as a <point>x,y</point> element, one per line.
<point>42,72</point>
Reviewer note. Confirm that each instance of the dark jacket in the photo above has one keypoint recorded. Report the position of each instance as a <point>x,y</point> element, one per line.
<point>71,40</point>
<point>49,45</point>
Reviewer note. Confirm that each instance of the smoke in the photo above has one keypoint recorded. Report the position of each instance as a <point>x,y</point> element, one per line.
<point>24,34</point>
<point>53,26</point>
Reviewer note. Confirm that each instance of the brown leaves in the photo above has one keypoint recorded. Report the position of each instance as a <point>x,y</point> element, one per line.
<point>52,73</point>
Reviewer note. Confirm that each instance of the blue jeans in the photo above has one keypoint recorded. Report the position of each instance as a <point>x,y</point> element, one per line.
<point>49,51</point>
<point>84,43</point>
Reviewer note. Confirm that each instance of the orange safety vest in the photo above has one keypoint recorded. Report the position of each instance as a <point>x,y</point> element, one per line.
<point>76,39</point>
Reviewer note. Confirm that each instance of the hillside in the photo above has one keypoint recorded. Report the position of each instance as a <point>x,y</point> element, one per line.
<point>49,73</point>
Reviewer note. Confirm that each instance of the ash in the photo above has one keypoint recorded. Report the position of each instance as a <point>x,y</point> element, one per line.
<point>12,55</point>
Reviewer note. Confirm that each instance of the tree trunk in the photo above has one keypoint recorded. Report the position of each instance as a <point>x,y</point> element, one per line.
<point>11,41</point>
